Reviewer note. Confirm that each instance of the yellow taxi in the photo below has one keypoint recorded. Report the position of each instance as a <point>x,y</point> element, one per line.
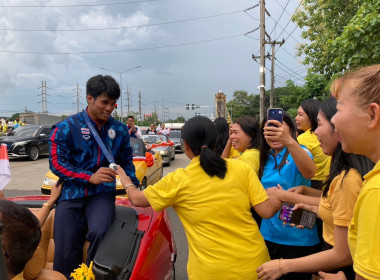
<point>148,165</point>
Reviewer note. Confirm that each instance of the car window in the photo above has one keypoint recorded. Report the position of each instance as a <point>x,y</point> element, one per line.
<point>24,131</point>
<point>161,138</point>
<point>46,131</point>
<point>138,147</point>
<point>150,139</point>
<point>175,134</point>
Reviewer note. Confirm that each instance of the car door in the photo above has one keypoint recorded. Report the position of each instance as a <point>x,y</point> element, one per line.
<point>43,140</point>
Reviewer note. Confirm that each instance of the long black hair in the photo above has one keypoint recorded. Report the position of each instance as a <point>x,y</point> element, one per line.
<point>250,127</point>
<point>199,133</point>
<point>341,161</point>
<point>311,108</point>
<point>265,149</point>
<point>222,135</point>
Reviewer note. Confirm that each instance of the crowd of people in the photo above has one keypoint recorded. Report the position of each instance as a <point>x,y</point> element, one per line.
<point>320,170</point>
<point>4,127</point>
<point>228,197</point>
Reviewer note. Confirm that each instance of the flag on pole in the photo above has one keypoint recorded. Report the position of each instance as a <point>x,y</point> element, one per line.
<point>5,169</point>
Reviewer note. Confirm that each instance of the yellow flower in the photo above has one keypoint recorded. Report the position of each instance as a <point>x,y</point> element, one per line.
<point>83,273</point>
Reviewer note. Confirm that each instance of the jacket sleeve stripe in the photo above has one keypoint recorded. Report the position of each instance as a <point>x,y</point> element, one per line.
<point>59,167</point>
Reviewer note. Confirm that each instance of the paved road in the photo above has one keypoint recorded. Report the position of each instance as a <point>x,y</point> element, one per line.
<point>27,178</point>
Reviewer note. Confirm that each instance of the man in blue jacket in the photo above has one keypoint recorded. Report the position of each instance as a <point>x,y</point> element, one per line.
<point>86,207</point>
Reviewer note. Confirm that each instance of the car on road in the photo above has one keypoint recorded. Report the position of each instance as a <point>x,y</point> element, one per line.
<point>148,165</point>
<point>27,141</point>
<point>139,244</point>
<point>161,144</point>
<point>175,136</point>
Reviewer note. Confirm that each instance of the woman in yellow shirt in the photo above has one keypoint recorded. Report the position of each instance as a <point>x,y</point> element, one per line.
<point>358,123</point>
<point>244,138</point>
<point>306,121</point>
<point>339,195</point>
<point>212,197</point>
<point>222,135</point>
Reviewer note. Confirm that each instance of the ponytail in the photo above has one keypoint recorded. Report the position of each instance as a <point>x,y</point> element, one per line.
<point>199,133</point>
<point>212,163</point>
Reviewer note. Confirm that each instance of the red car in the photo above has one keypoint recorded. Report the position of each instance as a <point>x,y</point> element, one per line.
<point>138,245</point>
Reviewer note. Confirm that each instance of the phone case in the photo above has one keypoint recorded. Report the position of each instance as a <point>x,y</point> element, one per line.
<point>301,217</point>
<point>275,114</point>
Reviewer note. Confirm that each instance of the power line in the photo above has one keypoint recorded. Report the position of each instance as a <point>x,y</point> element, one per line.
<point>288,69</point>
<point>126,50</point>
<point>276,22</point>
<point>119,27</point>
<point>75,6</point>
<point>290,19</point>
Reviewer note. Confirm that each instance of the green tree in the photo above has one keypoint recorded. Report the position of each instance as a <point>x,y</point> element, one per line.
<point>14,117</point>
<point>243,104</point>
<point>342,34</point>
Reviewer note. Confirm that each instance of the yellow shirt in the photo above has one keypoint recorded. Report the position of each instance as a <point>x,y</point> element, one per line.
<point>252,157</point>
<point>310,141</point>
<point>5,128</point>
<point>337,208</point>
<point>234,153</point>
<point>224,240</point>
<point>364,231</point>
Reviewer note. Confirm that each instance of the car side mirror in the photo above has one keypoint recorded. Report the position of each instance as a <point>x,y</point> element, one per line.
<point>43,135</point>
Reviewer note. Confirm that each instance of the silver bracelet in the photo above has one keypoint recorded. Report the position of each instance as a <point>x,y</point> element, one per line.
<point>127,186</point>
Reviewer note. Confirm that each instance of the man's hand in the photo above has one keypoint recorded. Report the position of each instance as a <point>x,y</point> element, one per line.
<point>103,175</point>
<point>133,127</point>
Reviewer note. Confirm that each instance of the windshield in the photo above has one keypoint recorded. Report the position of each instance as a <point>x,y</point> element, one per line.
<point>175,134</point>
<point>151,139</point>
<point>24,131</point>
<point>138,147</point>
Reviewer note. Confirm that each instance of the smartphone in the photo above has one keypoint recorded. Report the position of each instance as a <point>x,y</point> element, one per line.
<point>275,114</point>
<point>299,217</point>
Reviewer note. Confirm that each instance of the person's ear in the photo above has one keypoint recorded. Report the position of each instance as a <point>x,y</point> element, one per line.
<point>374,113</point>
<point>89,98</point>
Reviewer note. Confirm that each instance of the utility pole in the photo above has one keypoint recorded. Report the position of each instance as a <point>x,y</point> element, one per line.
<point>262,58</point>
<point>273,43</point>
<point>140,105</point>
<point>128,99</point>
<point>43,97</point>
<point>78,89</point>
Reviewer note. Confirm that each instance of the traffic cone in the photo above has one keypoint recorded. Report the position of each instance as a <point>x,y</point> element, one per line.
<point>5,169</point>
<point>4,152</point>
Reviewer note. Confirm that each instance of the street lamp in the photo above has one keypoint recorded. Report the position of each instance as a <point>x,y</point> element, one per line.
<point>121,88</point>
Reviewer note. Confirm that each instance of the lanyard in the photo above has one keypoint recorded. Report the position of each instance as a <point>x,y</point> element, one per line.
<point>106,153</point>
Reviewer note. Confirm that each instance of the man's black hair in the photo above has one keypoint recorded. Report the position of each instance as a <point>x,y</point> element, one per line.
<point>131,117</point>
<point>99,84</point>
<point>21,235</point>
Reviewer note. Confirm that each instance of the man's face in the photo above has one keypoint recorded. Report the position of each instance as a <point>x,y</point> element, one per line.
<point>130,121</point>
<point>152,126</point>
<point>101,108</point>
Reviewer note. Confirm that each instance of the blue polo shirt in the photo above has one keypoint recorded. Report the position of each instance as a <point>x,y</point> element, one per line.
<point>289,176</point>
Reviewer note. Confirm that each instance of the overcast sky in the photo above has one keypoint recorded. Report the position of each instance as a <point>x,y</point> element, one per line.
<point>184,60</point>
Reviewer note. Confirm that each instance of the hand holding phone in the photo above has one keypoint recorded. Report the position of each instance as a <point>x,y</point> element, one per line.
<point>299,217</point>
<point>275,114</point>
